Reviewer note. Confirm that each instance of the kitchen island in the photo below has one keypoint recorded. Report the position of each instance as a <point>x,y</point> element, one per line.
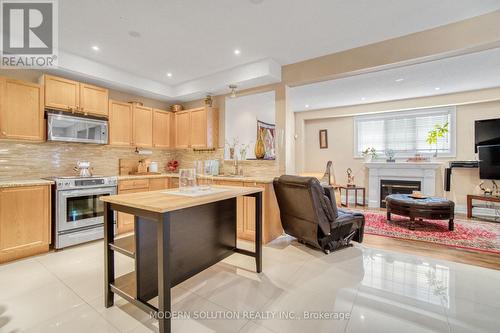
<point>176,236</point>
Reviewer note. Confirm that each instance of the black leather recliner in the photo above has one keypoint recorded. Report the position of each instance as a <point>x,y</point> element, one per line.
<point>309,212</point>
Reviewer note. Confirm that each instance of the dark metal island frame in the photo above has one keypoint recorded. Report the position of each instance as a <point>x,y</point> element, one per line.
<point>175,238</point>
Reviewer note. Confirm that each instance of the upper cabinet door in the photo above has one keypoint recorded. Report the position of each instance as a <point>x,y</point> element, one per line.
<point>93,100</point>
<point>21,110</point>
<point>162,128</point>
<point>120,123</point>
<point>182,129</point>
<point>143,126</point>
<point>199,128</point>
<point>61,93</point>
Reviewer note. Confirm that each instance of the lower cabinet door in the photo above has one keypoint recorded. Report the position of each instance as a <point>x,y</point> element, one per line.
<point>248,231</point>
<point>126,221</point>
<point>156,184</point>
<point>24,221</point>
<point>245,220</point>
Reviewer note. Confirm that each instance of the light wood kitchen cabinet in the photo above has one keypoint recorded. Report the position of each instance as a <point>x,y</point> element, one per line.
<point>120,123</point>
<point>240,206</point>
<point>182,129</point>
<point>174,183</point>
<point>73,96</point>
<point>94,100</point>
<point>126,221</point>
<point>21,110</point>
<point>60,93</point>
<point>271,222</point>
<point>197,128</point>
<point>142,126</point>
<point>156,184</point>
<point>162,129</point>
<point>24,221</point>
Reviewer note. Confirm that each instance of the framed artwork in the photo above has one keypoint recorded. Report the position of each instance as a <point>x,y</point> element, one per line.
<point>266,134</point>
<point>323,139</point>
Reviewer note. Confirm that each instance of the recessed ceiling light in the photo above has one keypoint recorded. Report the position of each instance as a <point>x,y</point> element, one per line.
<point>399,80</point>
<point>237,52</point>
<point>307,106</point>
<point>363,98</point>
<point>169,74</point>
<point>95,48</point>
<point>134,34</point>
<point>437,88</point>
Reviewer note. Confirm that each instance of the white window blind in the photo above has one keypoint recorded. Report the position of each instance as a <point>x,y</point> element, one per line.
<point>405,132</point>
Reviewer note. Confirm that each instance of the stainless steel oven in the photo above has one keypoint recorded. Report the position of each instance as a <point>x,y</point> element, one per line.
<point>78,212</point>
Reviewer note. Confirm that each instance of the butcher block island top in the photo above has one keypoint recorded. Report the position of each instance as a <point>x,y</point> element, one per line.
<point>164,201</point>
<point>176,235</point>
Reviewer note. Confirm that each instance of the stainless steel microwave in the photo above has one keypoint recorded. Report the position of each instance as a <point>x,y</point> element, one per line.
<point>61,127</point>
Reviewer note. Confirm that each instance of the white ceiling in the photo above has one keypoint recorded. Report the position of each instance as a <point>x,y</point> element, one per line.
<point>462,73</point>
<point>195,39</point>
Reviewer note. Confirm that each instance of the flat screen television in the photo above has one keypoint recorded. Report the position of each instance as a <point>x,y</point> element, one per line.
<point>487,132</point>
<point>489,162</point>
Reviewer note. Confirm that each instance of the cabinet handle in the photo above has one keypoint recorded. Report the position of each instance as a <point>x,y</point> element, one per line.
<point>4,133</point>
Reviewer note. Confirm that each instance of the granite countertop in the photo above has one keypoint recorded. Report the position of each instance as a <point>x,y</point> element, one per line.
<point>244,179</point>
<point>24,182</point>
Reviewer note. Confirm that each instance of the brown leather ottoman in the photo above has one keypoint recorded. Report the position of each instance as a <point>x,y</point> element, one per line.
<point>429,208</point>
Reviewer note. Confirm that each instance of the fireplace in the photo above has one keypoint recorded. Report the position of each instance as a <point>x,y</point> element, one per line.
<point>422,172</point>
<point>388,187</point>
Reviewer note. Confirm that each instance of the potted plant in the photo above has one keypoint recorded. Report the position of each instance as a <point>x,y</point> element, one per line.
<point>369,154</point>
<point>437,132</point>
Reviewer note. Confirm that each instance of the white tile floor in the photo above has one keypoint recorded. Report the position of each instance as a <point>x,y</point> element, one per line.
<point>381,292</point>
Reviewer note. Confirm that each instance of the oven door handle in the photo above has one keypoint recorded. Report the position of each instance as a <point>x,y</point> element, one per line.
<point>75,193</point>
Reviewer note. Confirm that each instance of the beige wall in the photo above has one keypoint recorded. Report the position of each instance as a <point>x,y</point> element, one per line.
<point>282,112</point>
<point>340,125</point>
<point>474,34</point>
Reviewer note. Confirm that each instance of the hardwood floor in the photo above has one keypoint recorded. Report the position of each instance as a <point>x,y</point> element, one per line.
<point>438,251</point>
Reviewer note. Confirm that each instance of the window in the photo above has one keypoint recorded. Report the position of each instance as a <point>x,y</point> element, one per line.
<point>405,132</point>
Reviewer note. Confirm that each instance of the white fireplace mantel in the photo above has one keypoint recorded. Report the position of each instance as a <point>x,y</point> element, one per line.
<point>425,172</point>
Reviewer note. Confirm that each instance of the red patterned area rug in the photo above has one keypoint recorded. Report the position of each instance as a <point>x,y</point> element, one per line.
<point>471,235</point>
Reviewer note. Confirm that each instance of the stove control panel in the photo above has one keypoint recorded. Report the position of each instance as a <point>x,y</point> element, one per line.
<point>90,182</point>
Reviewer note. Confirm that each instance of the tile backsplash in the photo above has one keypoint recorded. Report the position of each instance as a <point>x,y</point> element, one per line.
<point>24,160</point>
<point>261,168</point>
<point>37,160</point>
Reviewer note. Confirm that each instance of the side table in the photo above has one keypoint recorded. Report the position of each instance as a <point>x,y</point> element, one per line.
<point>470,197</point>
<point>355,189</point>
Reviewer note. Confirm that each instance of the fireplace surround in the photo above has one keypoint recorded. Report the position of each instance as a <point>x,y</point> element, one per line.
<point>423,172</point>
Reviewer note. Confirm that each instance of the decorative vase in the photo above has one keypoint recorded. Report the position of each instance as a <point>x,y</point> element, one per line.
<point>231,153</point>
<point>260,150</point>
